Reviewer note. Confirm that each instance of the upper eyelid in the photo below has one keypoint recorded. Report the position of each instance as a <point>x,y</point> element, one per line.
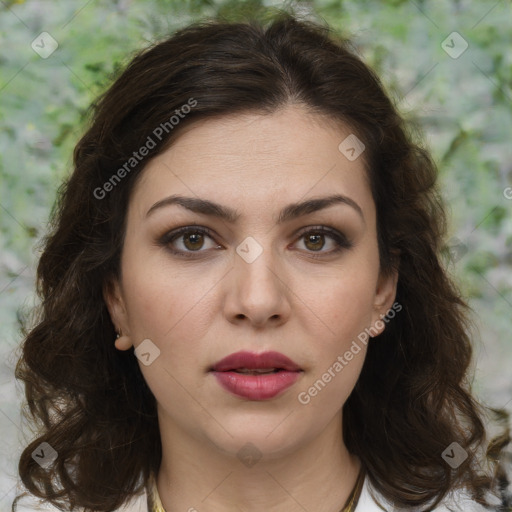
<point>177,233</point>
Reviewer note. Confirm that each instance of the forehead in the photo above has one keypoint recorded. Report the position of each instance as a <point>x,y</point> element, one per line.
<point>255,162</point>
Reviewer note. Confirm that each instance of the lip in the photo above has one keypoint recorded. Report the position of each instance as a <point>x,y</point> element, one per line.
<point>253,361</point>
<point>256,387</point>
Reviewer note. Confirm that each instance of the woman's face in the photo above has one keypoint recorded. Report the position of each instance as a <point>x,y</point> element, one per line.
<point>269,280</point>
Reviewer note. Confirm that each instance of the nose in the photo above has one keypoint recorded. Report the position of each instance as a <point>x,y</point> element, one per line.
<point>257,290</point>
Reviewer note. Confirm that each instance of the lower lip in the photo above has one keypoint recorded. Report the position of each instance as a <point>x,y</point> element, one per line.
<point>256,387</point>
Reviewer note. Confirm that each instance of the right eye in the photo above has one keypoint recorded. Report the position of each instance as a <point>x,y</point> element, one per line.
<point>192,240</point>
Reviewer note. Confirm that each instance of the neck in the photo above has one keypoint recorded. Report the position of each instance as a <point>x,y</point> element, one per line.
<point>197,475</point>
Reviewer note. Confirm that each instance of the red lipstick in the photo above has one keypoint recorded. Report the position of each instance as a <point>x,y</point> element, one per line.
<point>256,376</point>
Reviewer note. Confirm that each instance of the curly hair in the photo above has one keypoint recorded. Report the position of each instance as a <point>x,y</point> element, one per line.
<point>91,402</point>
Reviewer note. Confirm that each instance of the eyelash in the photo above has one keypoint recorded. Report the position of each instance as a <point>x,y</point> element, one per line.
<point>340,239</point>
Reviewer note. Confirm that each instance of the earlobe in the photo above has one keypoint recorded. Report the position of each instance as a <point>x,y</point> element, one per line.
<point>122,342</point>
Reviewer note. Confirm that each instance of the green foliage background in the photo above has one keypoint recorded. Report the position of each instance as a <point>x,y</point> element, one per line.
<point>462,105</point>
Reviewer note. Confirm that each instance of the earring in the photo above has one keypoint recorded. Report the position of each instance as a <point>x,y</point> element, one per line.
<point>122,342</point>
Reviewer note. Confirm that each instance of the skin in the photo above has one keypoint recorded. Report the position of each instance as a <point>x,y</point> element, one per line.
<point>198,310</point>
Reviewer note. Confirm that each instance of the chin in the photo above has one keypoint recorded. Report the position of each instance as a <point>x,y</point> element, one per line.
<point>273,439</point>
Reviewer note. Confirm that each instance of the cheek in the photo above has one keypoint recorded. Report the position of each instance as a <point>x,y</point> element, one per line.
<point>343,301</point>
<point>171,306</point>
<point>171,309</point>
<point>339,355</point>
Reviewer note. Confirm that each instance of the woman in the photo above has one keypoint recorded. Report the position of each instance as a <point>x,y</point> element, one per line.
<point>248,213</point>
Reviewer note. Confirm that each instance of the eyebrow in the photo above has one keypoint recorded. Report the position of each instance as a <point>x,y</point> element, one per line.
<point>289,212</point>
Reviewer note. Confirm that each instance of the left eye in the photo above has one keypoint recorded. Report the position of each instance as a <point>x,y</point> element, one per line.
<point>314,239</point>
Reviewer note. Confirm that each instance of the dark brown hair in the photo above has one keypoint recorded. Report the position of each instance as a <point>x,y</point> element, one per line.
<point>92,404</point>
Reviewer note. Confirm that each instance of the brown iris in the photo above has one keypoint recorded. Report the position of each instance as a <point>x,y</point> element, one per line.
<point>197,241</point>
<point>318,238</point>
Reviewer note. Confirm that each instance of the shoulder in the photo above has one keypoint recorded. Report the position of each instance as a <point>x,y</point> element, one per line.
<point>138,503</point>
<point>456,501</point>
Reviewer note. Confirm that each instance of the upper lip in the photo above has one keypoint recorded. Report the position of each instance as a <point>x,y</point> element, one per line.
<point>253,361</point>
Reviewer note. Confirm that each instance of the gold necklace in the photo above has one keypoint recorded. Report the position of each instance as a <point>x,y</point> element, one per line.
<point>155,505</point>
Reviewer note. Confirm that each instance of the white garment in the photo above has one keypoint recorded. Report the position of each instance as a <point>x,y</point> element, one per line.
<point>458,502</point>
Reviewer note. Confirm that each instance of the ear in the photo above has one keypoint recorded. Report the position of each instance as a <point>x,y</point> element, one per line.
<point>115,304</point>
<point>385,294</point>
